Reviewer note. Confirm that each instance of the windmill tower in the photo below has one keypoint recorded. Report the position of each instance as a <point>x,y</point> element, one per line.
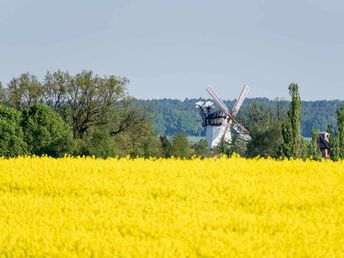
<point>219,123</point>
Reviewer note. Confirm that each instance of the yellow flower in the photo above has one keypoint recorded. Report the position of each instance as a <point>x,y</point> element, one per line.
<point>220,207</point>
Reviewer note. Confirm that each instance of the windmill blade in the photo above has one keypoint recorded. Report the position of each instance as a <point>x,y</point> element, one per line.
<point>240,129</point>
<point>218,100</point>
<point>240,100</point>
<point>227,137</point>
<point>222,135</point>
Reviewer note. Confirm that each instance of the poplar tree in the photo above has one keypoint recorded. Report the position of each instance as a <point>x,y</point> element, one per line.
<point>293,145</point>
<point>340,132</point>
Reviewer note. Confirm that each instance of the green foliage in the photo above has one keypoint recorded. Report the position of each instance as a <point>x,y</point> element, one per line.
<point>91,105</point>
<point>97,143</point>
<point>105,121</point>
<point>265,143</point>
<point>140,140</point>
<point>313,147</point>
<point>293,144</point>
<point>286,147</point>
<point>166,146</point>
<point>2,94</point>
<point>334,151</point>
<point>174,116</point>
<point>180,146</point>
<point>239,147</point>
<point>224,148</point>
<point>24,91</point>
<point>340,132</point>
<point>151,147</point>
<point>11,135</point>
<point>45,132</point>
<point>315,114</point>
<point>84,100</point>
<point>201,148</point>
<point>264,123</point>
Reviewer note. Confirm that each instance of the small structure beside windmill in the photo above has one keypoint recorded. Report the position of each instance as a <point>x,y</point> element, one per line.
<point>219,123</point>
<point>324,144</point>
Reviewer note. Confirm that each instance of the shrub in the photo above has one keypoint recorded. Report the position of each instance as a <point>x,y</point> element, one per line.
<point>45,132</point>
<point>11,134</point>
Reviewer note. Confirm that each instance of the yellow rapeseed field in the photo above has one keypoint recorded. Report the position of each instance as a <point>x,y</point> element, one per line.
<point>86,207</point>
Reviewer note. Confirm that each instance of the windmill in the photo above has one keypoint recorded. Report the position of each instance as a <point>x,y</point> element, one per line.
<point>219,123</point>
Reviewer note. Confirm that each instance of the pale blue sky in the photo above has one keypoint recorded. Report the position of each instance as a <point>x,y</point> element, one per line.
<point>174,49</point>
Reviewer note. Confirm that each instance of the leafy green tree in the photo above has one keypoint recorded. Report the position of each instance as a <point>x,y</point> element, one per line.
<point>85,100</point>
<point>239,147</point>
<point>166,146</point>
<point>151,147</point>
<point>2,94</point>
<point>96,143</point>
<point>11,135</point>
<point>45,132</point>
<point>340,132</point>
<point>265,143</point>
<point>264,123</point>
<point>138,140</point>
<point>201,148</point>
<point>224,148</point>
<point>313,147</point>
<point>293,144</point>
<point>24,91</point>
<point>180,146</point>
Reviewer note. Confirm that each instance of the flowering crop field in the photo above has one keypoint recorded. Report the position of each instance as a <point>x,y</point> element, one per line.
<point>86,207</point>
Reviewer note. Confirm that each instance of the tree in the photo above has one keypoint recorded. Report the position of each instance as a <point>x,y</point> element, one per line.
<point>2,94</point>
<point>340,132</point>
<point>138,140</point>
<point>180,146</point>
<point>201,148</point>
<point>84,100</point>
<point>24,91</point>
<point>293,144</point>
<point>264,123</point>
<point>224,148</point>
<point>90,105</point>
<point>11,135</point>
<point>166,146</point>
<point>151,147</point>
<point>313,148</point>
<point>98,143</point>
<point>45,132</point>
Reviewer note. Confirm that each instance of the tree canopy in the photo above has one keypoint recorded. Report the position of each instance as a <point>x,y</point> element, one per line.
<point>45,132</point>
<point>11,135</point>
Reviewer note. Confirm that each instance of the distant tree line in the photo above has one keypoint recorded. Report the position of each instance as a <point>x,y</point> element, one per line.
<point>180,116</point>
<point>279,127</point>
<point>88,114</point>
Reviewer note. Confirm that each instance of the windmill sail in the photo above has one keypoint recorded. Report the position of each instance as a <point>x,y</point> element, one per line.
<point>240,100</point>
<point>242,131</point>
<point>217,99</point>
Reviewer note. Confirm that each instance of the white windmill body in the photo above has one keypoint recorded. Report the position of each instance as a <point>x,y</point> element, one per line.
<point>218,124</point>
<point>214,134</point>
